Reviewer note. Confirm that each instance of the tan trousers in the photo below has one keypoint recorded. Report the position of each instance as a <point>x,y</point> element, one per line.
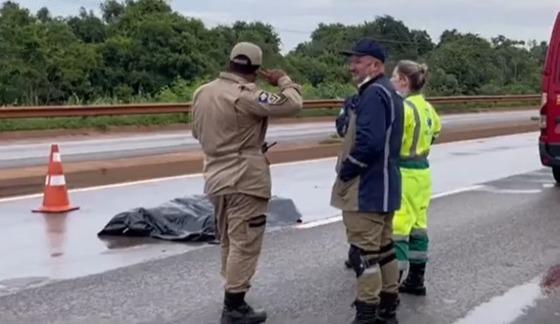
<point>372,233</point>
<point>240,226</point>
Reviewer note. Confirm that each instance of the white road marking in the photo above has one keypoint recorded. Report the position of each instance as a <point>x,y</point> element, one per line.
<point>506,308</point>
<point>338,218</point>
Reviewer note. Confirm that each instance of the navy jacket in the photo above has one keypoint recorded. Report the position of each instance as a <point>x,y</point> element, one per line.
<point>369,178</point>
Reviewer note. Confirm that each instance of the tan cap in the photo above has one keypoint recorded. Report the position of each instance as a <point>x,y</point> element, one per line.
<point>250,53</point>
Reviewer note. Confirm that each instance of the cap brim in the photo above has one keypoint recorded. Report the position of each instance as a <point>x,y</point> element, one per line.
<point>351,53</point>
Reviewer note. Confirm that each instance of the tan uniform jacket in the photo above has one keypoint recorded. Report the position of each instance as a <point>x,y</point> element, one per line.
<point>230,119</point>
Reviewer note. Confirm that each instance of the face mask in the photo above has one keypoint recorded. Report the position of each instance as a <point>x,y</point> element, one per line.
<point>402,93</point>
<point>365,80</point>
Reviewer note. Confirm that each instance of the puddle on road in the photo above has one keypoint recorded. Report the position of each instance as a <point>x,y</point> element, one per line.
<point>55,231</point>
<point>63,246</point>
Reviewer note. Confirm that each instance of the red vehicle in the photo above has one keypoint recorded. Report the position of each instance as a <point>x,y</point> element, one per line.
<point>549,140</point>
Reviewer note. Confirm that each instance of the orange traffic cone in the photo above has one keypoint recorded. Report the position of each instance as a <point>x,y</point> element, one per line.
<point>55,197</point>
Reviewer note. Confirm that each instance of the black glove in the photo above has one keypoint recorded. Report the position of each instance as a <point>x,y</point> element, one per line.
<point>265,147</point>
<point>349,171</point>
<point>343,118</point>
<point>342,123</point>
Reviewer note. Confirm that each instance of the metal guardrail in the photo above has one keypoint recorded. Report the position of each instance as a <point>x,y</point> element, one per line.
<point>155,109</point>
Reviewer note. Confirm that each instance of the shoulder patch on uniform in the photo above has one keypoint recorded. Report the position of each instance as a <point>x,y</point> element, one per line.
<point>263,97</point>
<point>271,98</point>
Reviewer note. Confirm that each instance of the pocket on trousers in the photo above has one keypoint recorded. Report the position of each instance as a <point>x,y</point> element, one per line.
<point>256,222</point>
<point>254,230</point>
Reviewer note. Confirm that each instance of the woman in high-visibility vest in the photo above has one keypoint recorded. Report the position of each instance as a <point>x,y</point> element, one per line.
<point>421,127</point>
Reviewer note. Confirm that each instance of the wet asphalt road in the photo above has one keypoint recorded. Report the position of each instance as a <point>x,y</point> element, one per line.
<point>545,311</point>
<point>83,148</point>
<point>39,248</point>
<point>484,243</point>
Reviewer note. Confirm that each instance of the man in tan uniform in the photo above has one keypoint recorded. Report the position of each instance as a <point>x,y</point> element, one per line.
<point>230,120</point>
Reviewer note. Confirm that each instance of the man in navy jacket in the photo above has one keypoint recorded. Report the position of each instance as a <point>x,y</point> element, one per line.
<point>368,184</point>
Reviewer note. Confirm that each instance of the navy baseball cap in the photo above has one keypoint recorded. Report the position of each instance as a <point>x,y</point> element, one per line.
<point>367,47</point>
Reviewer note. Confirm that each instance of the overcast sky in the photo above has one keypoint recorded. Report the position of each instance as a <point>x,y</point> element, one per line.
<point>294,20</point>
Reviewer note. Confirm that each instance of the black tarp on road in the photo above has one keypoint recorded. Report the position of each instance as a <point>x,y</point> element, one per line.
<point>188,219</point>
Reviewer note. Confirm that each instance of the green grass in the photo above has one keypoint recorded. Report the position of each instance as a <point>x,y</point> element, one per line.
<point>106,123</point>
<point>98,123</point>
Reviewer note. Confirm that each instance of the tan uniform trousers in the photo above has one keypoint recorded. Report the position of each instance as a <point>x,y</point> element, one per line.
<point>240,226</point>
<point>373,234</point>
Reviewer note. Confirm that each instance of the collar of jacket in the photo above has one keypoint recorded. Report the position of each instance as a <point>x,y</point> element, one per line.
<point>414,94</point>
<point>370,82</point>
<point>233,77</point>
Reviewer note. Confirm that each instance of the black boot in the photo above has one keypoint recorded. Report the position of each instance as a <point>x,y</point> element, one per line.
<point>414,282</point>
<point>365,313</point>
<point>237,311</point>
<point>347,263</point>
<point>387,311</point>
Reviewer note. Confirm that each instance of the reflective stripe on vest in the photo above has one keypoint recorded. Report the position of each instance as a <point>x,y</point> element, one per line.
<point>416,136</point>
<point>415,160</point>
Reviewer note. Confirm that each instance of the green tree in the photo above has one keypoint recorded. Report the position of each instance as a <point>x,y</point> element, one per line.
<point>143,50</point>
<point>88,27</point>
<point>467,57</point>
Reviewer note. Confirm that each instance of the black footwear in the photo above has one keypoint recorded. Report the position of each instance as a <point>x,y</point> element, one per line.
<point>414,282</point>
<point>347,262</point>
<point>387,311</point>
<point>400,276</point>
<point>237,311</point>
<point>365,313</point>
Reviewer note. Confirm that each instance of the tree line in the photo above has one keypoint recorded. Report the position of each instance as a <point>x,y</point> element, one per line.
<point>142,50</point>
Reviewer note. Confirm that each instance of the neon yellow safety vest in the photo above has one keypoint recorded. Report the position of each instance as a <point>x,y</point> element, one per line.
<point>421,126</point>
